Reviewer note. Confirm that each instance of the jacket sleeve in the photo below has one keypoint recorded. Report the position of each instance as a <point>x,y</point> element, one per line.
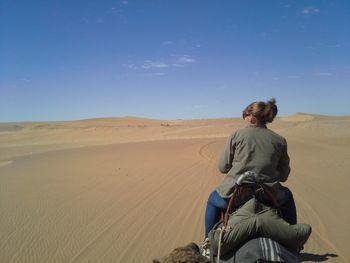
<point>226,159</point>
<point>283,166</point>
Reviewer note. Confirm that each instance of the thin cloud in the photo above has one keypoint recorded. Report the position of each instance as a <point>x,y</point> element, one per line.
<point>146,65</point>
<point>308,10</point>
<point>184,60</point>
<point>117,12</point>
<point>196,46</point>
<point>130,66</point>
<point>149,64</point>
<point>334,45</point>
<point>124,2</point>
<point>322,74</point>
<point>179,61</point>
<point>114,11</point>
<point>154,74</point>
<point>167,42</point>
<point>323,45</point>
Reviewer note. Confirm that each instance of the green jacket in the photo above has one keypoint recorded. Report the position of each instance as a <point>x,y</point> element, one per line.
<point>254,148</point>
<point>254,219</point>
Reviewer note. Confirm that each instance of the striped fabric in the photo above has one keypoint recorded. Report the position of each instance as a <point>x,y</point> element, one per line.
<point>260,250</point>
<point>270,250</point>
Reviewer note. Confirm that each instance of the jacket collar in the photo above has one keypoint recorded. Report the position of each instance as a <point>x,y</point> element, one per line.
<point>257,125</point>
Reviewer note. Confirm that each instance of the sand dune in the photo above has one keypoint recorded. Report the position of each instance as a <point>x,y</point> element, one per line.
<point>132,189</point>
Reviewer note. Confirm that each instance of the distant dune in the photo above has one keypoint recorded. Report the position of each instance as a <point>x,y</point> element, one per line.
<point>131,189</point>
<point>299,117</point>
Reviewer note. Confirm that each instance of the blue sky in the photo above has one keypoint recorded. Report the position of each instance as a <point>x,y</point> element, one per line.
<point>63,60</point>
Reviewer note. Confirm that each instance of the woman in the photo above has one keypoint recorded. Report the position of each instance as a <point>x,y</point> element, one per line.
<point>253,148</point>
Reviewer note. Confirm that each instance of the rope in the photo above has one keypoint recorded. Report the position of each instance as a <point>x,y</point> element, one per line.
<point>230,205</point>
<point>219,245</point>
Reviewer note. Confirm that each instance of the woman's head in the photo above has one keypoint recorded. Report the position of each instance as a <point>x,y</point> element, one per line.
<point>261,112</point>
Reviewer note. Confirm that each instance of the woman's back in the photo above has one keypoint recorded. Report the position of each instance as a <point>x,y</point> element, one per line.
<point>254,148</point>
<point>260,150</point>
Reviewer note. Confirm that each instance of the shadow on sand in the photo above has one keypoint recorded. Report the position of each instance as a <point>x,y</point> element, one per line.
<point>316,257</point>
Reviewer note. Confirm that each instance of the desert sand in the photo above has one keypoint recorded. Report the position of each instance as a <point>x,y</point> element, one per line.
<point>132,189</point>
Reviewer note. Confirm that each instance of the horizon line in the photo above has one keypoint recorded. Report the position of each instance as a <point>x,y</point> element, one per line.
<point>161,119</point>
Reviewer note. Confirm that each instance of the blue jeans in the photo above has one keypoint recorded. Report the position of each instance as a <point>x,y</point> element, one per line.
<point>212,213</point>
<point>288,209</point>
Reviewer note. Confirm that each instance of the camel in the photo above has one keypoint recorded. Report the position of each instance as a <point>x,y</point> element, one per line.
<point>186,254</point>
<point>252,233</point>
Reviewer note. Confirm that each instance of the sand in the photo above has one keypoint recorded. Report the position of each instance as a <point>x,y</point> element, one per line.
<point>132,189</point>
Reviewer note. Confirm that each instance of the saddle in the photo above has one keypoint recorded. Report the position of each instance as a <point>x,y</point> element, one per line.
<point>249,186</point>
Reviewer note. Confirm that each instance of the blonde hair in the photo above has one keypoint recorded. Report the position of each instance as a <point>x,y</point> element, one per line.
<point>264,112</point>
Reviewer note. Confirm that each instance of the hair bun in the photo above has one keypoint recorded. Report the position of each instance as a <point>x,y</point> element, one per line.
<point>263,111</point>
<point>272,102</point>
<point>270,111</point>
